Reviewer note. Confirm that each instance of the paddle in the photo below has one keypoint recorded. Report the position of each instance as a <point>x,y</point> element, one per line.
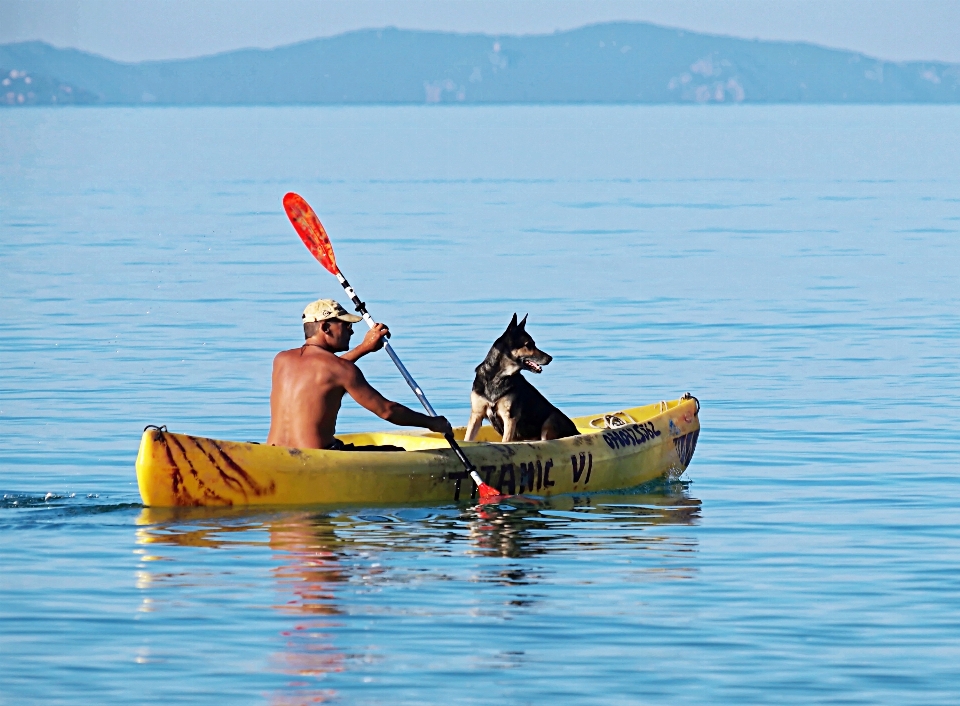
<point>315,237</point>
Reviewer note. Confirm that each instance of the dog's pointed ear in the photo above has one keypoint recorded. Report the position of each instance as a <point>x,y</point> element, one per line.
<point>523,323</point>
<point>513,323</point>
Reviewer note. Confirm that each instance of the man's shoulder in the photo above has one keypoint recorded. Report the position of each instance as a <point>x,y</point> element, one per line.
<point>283,356</point>
<point>313,356</point>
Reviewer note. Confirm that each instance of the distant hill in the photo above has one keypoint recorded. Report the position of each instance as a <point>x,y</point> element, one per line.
<point>24,88</point>
<point>607,63</point>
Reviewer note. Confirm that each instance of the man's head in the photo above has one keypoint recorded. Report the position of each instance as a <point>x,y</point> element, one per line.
<point>325,319</point>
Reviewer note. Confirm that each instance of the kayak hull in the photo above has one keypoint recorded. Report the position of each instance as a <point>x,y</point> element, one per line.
<point>653,441</point>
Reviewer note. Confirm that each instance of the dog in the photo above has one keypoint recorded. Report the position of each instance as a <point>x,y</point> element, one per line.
<point>501,394</point>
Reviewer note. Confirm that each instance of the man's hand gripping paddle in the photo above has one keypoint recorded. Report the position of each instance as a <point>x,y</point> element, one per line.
<point>313,235</point>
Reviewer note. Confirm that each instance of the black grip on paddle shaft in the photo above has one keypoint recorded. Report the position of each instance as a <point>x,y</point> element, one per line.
<point>357,304</point>
<point>457,450</point>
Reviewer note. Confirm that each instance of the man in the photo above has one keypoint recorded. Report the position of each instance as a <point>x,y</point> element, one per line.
<point>309,382</point>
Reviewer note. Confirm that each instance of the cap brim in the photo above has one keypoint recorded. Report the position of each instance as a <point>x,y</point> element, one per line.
<point>349,318</point>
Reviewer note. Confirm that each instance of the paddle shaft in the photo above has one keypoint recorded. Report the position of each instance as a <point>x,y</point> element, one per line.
<point>314,236</point>
<point>362,309</point>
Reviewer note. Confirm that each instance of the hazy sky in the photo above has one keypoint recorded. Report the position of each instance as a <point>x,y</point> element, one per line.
<point>135,30</point>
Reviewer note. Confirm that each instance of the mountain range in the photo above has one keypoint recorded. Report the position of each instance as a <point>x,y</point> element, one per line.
<point>618,62</point>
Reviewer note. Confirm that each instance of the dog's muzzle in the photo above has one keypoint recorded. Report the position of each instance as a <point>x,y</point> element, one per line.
<point>532,365</point>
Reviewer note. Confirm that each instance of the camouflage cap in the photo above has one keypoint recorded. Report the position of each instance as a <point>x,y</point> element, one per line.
<point>325,309</point>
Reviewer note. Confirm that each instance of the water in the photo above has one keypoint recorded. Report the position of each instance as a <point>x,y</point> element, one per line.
<point>794,267</point>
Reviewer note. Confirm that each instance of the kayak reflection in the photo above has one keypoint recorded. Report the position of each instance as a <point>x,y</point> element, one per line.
<point>518,527</point>
<point>306,567</point>
<point>325,571</point>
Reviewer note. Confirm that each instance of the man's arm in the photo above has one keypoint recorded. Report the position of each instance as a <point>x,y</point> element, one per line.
<point>372,341</point>
<point>394,412</point>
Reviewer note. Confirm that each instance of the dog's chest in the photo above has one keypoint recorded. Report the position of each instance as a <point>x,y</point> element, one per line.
<point>493,390</point>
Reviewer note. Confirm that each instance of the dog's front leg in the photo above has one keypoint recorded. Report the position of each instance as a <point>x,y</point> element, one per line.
<point>478,410</point>
<point>509,427</point>
<point>473,426</point>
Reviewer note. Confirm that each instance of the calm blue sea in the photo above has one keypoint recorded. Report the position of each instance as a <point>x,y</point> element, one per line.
<point>793,267</point>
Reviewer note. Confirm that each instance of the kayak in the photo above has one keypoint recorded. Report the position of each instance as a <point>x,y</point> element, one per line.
<point>613,451</point>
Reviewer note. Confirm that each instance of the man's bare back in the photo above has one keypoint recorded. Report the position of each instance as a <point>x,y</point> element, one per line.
<point>309,384</point>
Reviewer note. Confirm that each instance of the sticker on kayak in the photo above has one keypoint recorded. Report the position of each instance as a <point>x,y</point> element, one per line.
<point>633,435</point>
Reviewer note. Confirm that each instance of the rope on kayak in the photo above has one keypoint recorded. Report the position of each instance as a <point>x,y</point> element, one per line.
<point>154,426</point>
<point>612,421</point>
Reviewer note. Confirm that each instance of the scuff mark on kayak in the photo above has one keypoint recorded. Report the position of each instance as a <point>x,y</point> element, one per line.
<point>207,492</point>
<point>686,445</point>
<point>254,486</point>
<point>180,494</point>
<point>227,478</point>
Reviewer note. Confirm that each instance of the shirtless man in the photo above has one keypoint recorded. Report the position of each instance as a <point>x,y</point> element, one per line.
<point>309,382</point>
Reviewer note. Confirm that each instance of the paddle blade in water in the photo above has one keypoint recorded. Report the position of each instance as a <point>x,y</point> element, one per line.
<point>488,493</point>
<point>310,230</point>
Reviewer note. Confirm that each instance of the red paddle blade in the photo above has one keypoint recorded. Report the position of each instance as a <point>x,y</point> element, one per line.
<point>310,230</point>
<point>488,492</point>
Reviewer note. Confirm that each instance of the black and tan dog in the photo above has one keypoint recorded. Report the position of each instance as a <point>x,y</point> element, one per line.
<point>501,394</point>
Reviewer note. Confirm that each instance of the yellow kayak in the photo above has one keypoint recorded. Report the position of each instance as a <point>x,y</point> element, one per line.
<point>613,451</point>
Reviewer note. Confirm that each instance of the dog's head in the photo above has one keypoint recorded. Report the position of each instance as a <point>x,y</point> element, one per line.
<point>518,347</point>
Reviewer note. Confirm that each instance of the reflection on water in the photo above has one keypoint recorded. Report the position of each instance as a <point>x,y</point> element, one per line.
<point>518,530</point>
<point>308,571</point>
<point>331,569</point>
